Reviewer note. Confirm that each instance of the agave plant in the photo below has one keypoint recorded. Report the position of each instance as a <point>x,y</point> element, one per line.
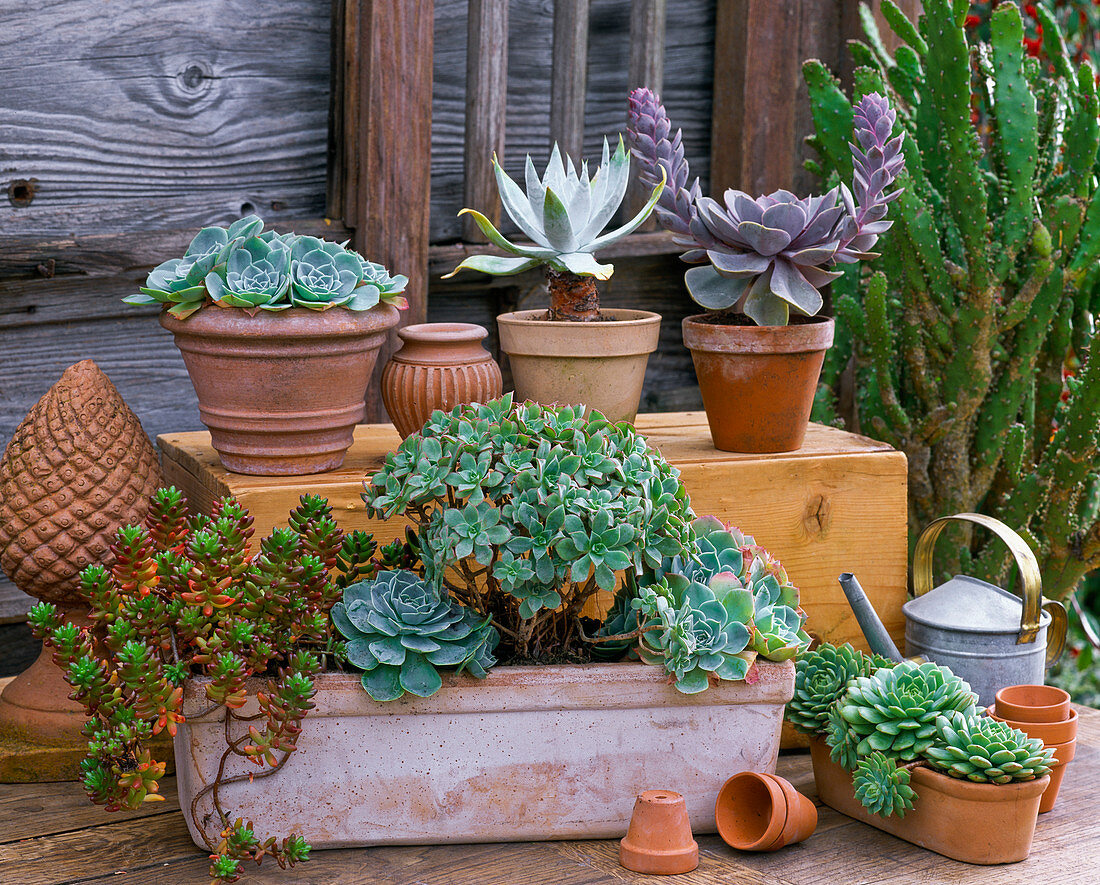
<point>985,750</point>
<point>882,786</point>
<point>400,629</point>
<point>773,254</point>
<point>697,631</point>
<point>563,214</point>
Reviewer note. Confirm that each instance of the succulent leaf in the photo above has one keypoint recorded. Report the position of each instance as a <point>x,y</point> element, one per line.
<point>882,786</point>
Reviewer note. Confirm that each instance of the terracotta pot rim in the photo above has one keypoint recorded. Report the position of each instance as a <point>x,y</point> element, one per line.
<point>1058,732</point>
<point>620,316</point>
<point>1055,711</point>
<point>446,333</point>
<point>814,335</point>
<point>636,333</point>
<point>214,321</point>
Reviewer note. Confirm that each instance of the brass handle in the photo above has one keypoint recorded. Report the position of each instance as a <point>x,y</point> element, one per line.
<point>1031,582</point>
<point>1056,635</point>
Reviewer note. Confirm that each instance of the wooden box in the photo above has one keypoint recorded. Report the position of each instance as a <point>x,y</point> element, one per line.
<point>837,504</point>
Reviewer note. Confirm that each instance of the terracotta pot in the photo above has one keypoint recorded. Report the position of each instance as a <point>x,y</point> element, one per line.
<point>601,365</point>
<point>1032,703</point>
<point>281,392</point>
<point>762,812</point>
<point>659,839</point>
<point>1063,755</point>
<point>439,366</point>
<point>974,823</point>
<point>758,382</point>
<point>529,753</point>
<point>1048,732</point>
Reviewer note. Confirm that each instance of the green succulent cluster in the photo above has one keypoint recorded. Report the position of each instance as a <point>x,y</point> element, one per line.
<point>621,621</point>
<point>697,631</point>
<point>882,786</point>
<point>400,629</point>
<point>247,267</point>
<point>821,676</point>
<point>987,751</point>
<point>895,710</point>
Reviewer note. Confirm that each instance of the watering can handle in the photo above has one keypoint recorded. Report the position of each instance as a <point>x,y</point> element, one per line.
<point>1031,582</point>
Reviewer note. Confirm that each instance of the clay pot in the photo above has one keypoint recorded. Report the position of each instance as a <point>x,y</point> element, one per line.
<point>762,812</point>
<point>281,392</point>
<point>1032,703</point>
<point>1048,732</point>
<point>600,364</point>
<point>659,839</point>
<point>439,366</point>
<point>758,382</point>
<point>971,822</point>
<point>1063,755</point>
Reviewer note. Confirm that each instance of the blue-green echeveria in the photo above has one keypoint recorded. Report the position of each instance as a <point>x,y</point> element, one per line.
<point>325,275</point>
<point>257,275</point>
<point>400,629</point>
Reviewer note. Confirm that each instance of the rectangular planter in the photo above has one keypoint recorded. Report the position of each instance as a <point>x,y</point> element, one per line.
<point>530,753</point>
<point>972,822</point>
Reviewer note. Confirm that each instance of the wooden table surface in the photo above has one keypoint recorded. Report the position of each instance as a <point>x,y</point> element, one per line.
<point>50,834</point>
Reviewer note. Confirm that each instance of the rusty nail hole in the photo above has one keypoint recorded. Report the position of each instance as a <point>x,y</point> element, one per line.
<point>278,205</point>
<point>21,191</point>
<point>247,208</point>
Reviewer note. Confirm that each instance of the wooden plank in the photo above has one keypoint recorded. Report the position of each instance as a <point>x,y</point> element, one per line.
<point>159,115</point>
<point>14,603</point>
<point>486,108</point>
<point>647,68</point>
<point>569,76</point>
<point>819,36</point>
<point>390,53</point>
<point>336,161</point>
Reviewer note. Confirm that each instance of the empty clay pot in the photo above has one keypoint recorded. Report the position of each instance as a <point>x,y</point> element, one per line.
<point>762,812</point>
<point>1032,703</point>
<point>758,382</point>
<point>1049,733</point>
<point>439,366</point>
<point>1063,755</point>
<point>601,364</point>
<point>659,839</point>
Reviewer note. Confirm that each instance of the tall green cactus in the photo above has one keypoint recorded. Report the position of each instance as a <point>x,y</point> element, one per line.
<point>987,283</point>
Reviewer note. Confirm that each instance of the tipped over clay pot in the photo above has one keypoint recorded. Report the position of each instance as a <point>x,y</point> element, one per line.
<point>659,840</point>
<point>762,812</point>
<point>1032,703</point>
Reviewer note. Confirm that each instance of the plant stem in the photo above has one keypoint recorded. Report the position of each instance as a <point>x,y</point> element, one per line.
<point>573,298</point>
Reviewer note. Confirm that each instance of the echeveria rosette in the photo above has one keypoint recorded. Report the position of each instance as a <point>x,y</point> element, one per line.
<point>325,275</point>
<point>176,283</point>
<point>821,676</point>
<point>257,275</point>
<point>697,631</point>
<point>882,786</point>
<point>562,213</point>
<point>843,743</point>
<point>895,710</point>
<point>389,287</point>
<point>399,629</point>
<point>777,619</point>
<point>715,548</point>
<point>986,751</point>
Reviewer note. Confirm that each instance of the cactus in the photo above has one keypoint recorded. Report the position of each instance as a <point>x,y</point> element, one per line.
<point>987,285</point>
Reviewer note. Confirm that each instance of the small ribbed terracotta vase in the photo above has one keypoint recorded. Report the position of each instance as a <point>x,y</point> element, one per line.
<point>439,366</point>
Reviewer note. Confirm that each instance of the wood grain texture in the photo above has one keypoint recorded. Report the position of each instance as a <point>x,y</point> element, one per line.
<point>160,114</point>
<point>811,508</point>
<point>486,108</point>
<point>1066,849</point>
<point>647,68</point>
<point>569,75</point>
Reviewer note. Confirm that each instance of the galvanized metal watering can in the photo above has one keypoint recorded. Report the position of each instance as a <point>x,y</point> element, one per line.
<point>985,634</point>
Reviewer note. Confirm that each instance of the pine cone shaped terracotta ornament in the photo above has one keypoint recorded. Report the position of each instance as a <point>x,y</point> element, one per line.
<point>78,467</point>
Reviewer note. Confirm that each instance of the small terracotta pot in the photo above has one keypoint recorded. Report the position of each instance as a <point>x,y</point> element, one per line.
<point>601,364</point>
<point>659,839</point>
<point>1063,755</point>
<point>758,382</point>
<point>439,366</point>
<point>762,812</point>
<point>281,392</point>
<point>1032,703</point>
<point>1048,732</point>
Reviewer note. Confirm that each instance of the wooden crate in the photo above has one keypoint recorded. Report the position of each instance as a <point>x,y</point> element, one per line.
<point>837,504</point>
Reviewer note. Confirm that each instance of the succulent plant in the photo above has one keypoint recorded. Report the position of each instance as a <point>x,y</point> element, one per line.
<point>769,255</point>
<point>697,631</point>
<point>882,786</point>
<point>895,710</point>
<point>843,743</point>
<point>563,213</point>
<point>987,751</point>
<point>400,629</point>
<point>716,547</point>
<point>389,286</point>
<point>822,676</point>
<point>621,620</point>
<point>257,274</point>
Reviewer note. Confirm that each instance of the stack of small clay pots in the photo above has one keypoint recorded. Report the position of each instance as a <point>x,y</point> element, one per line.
<point>1041,711</point>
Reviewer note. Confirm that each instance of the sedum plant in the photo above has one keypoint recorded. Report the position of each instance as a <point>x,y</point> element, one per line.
<point>882,786</point>
<point>987,751</point>
<point>187,596</point>
<point>400,629</point>
<point>768,256</point>
<point>974,351</point>
<point>563,214</point>
<point>245,267</point>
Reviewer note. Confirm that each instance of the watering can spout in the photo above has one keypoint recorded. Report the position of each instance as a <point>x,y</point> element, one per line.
<point>868,619</point>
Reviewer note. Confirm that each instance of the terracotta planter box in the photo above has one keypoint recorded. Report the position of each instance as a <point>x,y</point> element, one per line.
<point>530,753</point>
<point>975,823</point>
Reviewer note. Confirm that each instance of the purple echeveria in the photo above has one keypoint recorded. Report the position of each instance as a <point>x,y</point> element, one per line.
<point>775,252</point>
